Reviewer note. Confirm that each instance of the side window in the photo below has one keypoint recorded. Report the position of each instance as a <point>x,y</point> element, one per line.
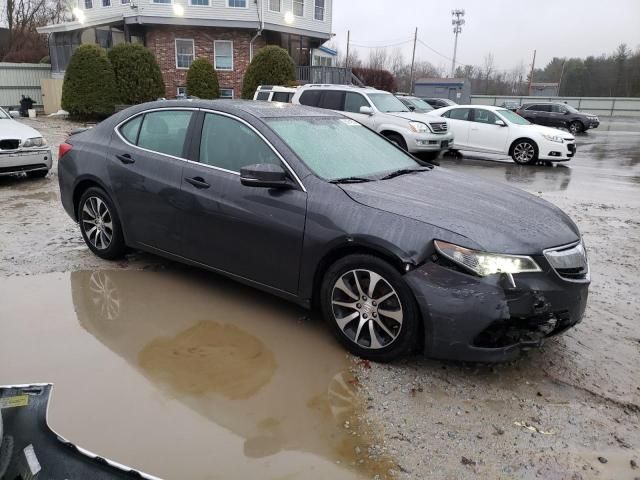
<point>353,102</point>
<point>264,96</point>
<point>130,129</point>
<point>483,116</point>
<point>446,114</point>
<point>281,97</point>
<point>460,114</point>
<point>229,144</point>
<point>558,108</point>
<point>311,98</point>
<point>540,108</point>
<point>332,100</point>
<point>165,131</point>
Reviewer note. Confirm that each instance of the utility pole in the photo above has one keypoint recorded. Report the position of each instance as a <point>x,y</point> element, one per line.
<point>413,61</point>
<point>457,23</point>
<point>561,75</point>
<point>533,65</point>
<point>346,59</point>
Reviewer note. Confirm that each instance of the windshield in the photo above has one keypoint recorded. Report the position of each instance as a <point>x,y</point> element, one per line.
<point>421,104</point>
<point>4,115</point>
<point>338,148</point>
<point>571,109</point>
<point>513,117</point>
<point>385,102</point>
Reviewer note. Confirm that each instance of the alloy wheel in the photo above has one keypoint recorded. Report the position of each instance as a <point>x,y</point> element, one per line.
<point>367,309</point>
<point>97,222</point>
<point>524,152</point>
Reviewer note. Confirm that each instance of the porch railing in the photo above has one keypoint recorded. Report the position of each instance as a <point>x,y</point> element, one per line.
<point>322,74</point>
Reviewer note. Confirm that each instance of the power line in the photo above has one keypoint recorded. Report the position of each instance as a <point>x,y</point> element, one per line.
<point>381,46</point>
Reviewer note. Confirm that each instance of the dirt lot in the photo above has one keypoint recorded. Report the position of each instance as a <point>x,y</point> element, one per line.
<point>129,347</point>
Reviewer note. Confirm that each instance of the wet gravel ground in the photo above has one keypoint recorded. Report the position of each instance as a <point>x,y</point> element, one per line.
<point>570,410</point>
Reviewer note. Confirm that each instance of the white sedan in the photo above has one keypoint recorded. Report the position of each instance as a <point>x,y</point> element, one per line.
<point>489,129</point>
<point>22,148</point>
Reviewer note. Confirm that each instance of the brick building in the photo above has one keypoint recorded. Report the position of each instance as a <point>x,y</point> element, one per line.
<point>225,32</point>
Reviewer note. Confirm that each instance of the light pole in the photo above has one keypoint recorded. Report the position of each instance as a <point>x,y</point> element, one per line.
<point>457,21</point>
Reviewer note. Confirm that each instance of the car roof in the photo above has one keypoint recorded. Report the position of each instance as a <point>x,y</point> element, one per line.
<point>349,88</point>
<point>483,107</point>
<point>235,107</point>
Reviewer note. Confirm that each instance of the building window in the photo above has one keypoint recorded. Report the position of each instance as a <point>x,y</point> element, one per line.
<point>237,3</point>
<point>298,8</point>
<point>319,12</point>
<point>226,93</point>
<point>88,4</point>
<point>275,5</point>
<point>199,3</point>
<point>165,2</point>
<point>223,55</point>
<point>181,92</point>
<point>106,3</point>
<point>125,2</point>
<point>184,53</point>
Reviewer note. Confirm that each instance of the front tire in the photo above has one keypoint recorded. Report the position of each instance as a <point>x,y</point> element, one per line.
<point>576,127</point>
<point>100,224</point>
<point>370,308</point>
<point>524,152</point>
<point>398,140</point>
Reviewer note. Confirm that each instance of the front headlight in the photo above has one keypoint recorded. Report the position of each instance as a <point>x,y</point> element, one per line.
<point>553,138</point>
<point>419,127</point>
<point>34,142</point>
<point>484,263</point>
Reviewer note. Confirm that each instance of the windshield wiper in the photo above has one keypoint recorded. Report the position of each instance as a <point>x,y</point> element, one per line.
<point>404,171</point>
<point>351,180</point>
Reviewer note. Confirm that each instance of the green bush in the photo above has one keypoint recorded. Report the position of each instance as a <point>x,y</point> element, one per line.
<point>46,59</point>
<point>202,80</point>
<point>89,88</point>
<point>270,66</point>
<point>138,77</point>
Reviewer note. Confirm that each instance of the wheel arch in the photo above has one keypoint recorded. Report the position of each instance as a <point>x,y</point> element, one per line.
<point>81,186</point>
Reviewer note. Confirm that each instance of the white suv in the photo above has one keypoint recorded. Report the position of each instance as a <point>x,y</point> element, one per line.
<point>274,93</point>
<point>382,112</point>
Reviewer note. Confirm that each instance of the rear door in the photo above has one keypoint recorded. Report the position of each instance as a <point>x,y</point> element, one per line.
<point>558,116</point>
<point>255,233</point>
<point>460,122</point>
<point>145,167</point>
<point>485,135</point>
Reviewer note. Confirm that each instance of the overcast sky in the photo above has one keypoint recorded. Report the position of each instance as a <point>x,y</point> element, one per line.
<point>510,29</point>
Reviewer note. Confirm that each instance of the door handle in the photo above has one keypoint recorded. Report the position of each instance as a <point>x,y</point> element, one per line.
<point>197,182</point>
<point>125,158</point>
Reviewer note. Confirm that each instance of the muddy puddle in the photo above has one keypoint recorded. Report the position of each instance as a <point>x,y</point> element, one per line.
<point>185,375</point>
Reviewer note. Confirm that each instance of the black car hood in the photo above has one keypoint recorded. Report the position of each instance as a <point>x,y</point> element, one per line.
<point>496,217</point>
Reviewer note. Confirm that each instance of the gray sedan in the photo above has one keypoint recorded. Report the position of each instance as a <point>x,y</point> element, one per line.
<point>315,208</point>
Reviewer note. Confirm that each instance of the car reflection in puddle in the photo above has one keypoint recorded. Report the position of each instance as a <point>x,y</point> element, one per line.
<point>235,357</point>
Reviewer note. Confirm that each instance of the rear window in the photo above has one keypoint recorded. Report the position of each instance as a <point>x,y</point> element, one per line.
<point>310,98</point>
<point>264,96</point>
<point>282,97</point>
<point>165,131</point>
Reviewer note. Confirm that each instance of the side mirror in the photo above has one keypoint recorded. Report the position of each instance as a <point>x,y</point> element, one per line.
<point>567,112</point>
<point>501,123</point>
<point>366,110</point>
<point>14,113</point>
<point>265,175</point>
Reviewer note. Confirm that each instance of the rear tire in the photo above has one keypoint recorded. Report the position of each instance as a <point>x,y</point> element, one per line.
<point>524,152</point>
<point>380,323</point>
<point>100,225</point>
<point>37,173</point>
<point>398,140</point>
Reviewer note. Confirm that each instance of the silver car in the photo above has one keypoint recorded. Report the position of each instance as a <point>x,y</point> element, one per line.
<point>22,148</point>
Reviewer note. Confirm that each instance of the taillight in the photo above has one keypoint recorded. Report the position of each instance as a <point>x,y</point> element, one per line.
<point>63,149</point>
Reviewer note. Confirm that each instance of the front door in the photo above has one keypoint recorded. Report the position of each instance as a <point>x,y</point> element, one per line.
<point>145,168</point>
<point>255,233</point>
<point>485,134</point>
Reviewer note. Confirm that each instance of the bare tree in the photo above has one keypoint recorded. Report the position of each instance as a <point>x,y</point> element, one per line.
<point>487,69</point>
<point>396,61</point>
<point>378,59</point>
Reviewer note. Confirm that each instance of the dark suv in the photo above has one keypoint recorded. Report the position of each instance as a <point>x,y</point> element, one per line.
<point>558,115</point>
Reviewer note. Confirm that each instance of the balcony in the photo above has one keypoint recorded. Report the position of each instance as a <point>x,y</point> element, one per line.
<point>331,75</point>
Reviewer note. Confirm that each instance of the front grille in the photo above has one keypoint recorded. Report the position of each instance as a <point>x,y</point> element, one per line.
<point>572,147</point>
<point>530,330</point>
<point>439,127</point>
<point>570,262</point>
<point>9,144</point>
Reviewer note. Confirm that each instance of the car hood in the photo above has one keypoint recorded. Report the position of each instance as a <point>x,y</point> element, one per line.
<point>496,217</point>
<point>551,131</point>
<point>13,129</point>
<point>413,116</point>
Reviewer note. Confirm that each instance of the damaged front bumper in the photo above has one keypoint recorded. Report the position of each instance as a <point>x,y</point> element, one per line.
<point>492,319</point>
<point>25,160</point>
